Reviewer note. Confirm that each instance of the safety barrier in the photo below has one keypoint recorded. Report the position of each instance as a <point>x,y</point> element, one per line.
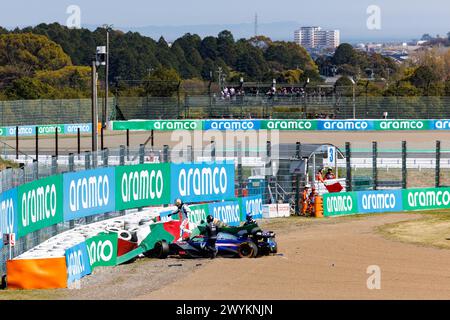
<point>300,125</point>
<point>69,256</point>
<point>30,130</point>
<point>65,197</point>
<point>361,202</point>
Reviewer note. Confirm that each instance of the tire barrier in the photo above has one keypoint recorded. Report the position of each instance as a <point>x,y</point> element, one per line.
<point>71,196</point>
<point>292,125</point>
<point>69,256</point>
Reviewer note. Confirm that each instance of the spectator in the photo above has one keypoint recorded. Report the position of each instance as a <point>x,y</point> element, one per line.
<point>330,175</point>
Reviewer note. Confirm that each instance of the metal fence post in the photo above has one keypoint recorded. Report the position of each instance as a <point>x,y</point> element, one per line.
<point>213,151</point>
<point>268,170</point>
<point>190,155</point>
<point>404,171</point>
<point>54,169</point>
<point>239,168</point>
<point>438,165</point>
<point>128,144</point>
<point>87,160</point>
<point>152,139</point>
<point>94,159</point>
<point>17,142</point>
<point>37,143</point>
<point>122,155</point>
<point>35,169</point>
<point>78,142</point>
<point>298,179</point>
<point>348,154</point>
<point>105,155</point>
<point>56,141</point>
<point>166,153</point>
<point>122,163</point>
<point>71,162</point>
<point>374,165</point>
<point>141,153</point>
<point>71,169</point>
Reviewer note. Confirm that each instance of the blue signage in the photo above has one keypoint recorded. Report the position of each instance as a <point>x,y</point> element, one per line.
<point>23,131</point>
<point>77,261</point>
<point>345,125</point>
<point>439,124</point>
<point>380,201</point>
<point>199,182</point>
<point>231,125</point>
<point>226,211</point>
<point>252,205</point>
<point>8,213</point>
<point>73,128</point>
<point>88,193</point>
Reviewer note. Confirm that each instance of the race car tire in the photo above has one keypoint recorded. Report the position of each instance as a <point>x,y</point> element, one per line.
<point>161,250</point>
<point>248,250</point>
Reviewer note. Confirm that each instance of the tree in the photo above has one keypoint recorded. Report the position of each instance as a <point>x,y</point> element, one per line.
<point>163,82</point>
<point>344,54</point>
<point>28,88</point>
<point>226,47</point>
<point>30,52</point>
<point>423,77</point>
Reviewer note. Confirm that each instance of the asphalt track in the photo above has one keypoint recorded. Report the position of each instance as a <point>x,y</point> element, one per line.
<point>423,140</point>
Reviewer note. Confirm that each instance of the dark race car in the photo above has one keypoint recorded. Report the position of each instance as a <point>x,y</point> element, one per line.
<point>227,245</point>
<point>264,240</point>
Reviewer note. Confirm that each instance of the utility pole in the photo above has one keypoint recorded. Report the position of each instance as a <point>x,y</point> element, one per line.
<point>105,107</point>
<point>94,109</point>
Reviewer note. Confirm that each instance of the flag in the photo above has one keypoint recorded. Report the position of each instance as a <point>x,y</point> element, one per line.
<point>335,187</point>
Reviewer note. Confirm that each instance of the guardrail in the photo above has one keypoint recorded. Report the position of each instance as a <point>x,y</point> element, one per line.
<point>279,124</point>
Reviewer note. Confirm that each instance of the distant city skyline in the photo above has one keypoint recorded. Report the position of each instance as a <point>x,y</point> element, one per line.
<point>400,19</point>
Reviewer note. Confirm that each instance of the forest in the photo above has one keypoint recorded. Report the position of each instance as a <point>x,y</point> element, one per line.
<point>51,61</point>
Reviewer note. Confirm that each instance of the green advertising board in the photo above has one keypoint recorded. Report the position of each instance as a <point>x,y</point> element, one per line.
<point>429,198</point>
<point>198,213</point>
<point>335,204</point>
<point>396,125</point>
<point>163,125</point>
<point>289,124</point>
<point>40,204</point>
<point>2,131</point>
<point>102,250</point>
<point>142,185</point>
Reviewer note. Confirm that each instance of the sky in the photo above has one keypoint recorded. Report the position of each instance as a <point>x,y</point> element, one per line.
<point>399,18</point>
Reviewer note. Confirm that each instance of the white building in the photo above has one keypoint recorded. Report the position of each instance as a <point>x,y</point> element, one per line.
<point>315,37</point>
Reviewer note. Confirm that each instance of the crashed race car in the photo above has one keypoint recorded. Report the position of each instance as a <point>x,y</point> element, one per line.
<point>227,245</point>
<point>247,241</point>
<point>175,237</point>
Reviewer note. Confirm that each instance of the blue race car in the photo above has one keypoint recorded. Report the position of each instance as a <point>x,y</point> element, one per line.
<point>227,245</point>
<point>241,245</point>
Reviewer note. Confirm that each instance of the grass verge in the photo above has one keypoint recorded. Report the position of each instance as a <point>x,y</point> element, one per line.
<point>431,230</point>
